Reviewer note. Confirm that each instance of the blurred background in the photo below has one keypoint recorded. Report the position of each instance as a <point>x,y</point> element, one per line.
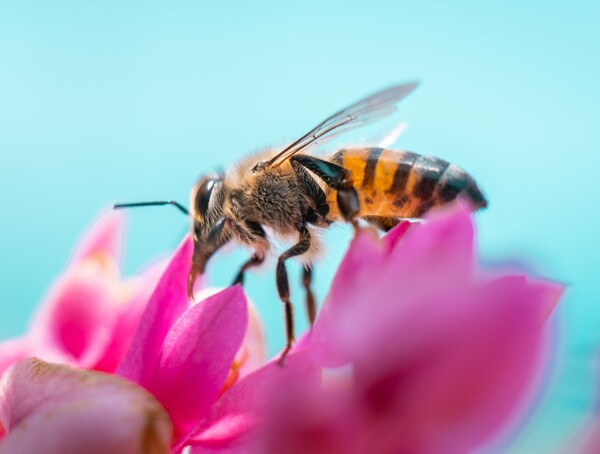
<point>133,101</point>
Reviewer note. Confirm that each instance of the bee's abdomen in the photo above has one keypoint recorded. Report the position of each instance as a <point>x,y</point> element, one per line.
<point>393,183</point>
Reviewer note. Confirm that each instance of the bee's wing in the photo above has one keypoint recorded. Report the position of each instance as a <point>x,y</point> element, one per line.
<point>384,139</point>
<point>361,112</point>
<point>392,136</point>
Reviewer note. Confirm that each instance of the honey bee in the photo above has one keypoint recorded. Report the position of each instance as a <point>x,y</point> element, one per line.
<point>293,193</point>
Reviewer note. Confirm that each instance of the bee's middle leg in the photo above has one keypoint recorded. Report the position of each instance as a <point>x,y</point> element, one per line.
<point>283,287</point>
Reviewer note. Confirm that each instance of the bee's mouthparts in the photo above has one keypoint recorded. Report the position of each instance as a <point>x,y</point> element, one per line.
<point>198,266</point>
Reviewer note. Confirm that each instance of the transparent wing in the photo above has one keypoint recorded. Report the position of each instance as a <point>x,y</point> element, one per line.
<point>392,136</point>
<point>366,110</point>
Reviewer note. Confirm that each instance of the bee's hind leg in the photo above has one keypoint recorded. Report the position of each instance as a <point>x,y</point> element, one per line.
<point>311,306</point>
<point>347,200</point>
<point>283,287</point>
<point>384,223</point>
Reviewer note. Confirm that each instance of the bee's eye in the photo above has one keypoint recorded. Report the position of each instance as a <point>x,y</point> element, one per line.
<point>197,232</point>
<point>203,196</point>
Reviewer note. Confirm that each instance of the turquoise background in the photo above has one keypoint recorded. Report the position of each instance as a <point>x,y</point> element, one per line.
<point>124,101</point>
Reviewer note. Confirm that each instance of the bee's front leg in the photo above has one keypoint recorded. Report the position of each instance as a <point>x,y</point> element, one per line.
<point>255,260</point>
<point>254,234</point>
<point>283,287</point>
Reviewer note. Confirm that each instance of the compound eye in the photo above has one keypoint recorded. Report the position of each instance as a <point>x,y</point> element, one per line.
<point>203,195</point>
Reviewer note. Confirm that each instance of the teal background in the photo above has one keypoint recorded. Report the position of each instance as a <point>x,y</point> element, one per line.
<point>124,101</point>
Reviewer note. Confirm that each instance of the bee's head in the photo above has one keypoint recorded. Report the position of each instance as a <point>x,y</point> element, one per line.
<point>209,229</point>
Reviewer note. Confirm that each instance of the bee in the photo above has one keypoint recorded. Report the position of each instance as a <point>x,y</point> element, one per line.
<point>293,193</point>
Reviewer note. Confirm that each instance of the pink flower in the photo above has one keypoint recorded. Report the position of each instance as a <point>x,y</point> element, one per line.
<point>187,356</point>
<point>57,409</point>
<point>90,315</point>
<point>236,421</point>
<point>441,357</point>
<point>183,354</point>
<point>437,356</point>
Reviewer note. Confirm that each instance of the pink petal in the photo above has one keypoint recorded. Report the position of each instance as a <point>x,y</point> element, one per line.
<point>371,283</point>
<point>394,236</point>
<point>454,377</point>
<point>428,344</point>
<point>12,351</point>
<point>363,261</point>
<point>253,352</point>
<point>75,322</point>
<point>104,238</point>
<point>137,292</point>
<point>234,423</point>
<point>306,419</point>
<point>197,356</point>
<point>166,304</point>
<point>440,249</point>
<point>57,409</point>
<point>363,256</point>
<point>548,295</point>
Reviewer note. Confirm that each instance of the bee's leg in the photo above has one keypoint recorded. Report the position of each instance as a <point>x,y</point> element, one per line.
<point>256,235</point>
<point>255,260</point>
<point>283,287</point>
<point>311,307</point>
<point>313,190</point>
<point>347,200</point>
<point>338,178</point>
<point>383,222</point>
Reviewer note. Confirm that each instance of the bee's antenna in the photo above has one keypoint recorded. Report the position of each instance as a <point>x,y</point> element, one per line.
<point>179,206</point>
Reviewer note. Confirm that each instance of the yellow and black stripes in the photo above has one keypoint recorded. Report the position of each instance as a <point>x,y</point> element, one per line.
<point>370,167</point>
<point>402,172</point>
<point>401,184</point>
<point>430,171</point>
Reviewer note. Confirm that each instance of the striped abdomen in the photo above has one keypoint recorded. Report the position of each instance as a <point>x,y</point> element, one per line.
<point>401,184</point>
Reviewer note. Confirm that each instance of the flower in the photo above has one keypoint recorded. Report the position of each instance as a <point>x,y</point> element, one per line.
<point>234,423</point>
<point>182,353</point>
<point>93,320</point>
<point>440,356</point>
<point>430,354</point>
<point>58,409</point>
<point>90,315</point>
